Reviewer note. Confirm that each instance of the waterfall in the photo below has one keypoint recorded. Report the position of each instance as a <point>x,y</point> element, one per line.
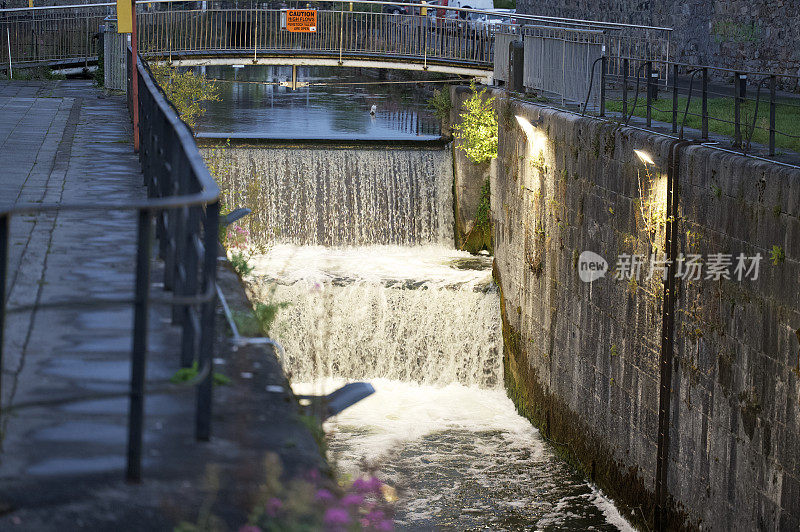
<point>352,315</point>
<point>359,246</point>
<point>339,196</point>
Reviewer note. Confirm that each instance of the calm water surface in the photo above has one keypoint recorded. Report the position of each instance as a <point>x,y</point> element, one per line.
<point>336,106</point>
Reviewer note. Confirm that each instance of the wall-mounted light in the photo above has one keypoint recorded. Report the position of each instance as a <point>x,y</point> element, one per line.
<point>527,126</point>
<point>644,157</point>
<point>536,139</point>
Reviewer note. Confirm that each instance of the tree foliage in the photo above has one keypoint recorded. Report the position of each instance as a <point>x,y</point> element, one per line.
<point>186,90</point>
<point>440,103</point>
<point>477,131</point>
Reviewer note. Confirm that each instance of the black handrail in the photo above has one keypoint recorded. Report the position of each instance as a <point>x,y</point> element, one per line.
<point>183,197</point>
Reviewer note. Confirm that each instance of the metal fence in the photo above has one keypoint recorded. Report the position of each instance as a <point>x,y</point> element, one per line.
<point>50,36</point>
<point>559,61</point>
<point>183,199</point>
<point>115,54</point>
<point>746,113</point>
<point>502,56</point>
<point>342,33</point>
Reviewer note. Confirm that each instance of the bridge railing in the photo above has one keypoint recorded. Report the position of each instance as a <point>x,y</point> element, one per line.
<point>342,33</point>
<point>50,36</point>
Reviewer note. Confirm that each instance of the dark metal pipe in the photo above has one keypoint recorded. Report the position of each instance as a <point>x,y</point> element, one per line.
<point>667,333</point>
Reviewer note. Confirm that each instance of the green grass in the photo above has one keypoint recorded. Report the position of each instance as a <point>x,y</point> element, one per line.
<point>787,117</point>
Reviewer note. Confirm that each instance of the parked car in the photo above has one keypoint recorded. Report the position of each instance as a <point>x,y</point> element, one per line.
<point>395,10</point>
<point>470,4</point>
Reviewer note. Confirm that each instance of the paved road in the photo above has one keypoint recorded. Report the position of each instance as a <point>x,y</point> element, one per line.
<point>61,467</point>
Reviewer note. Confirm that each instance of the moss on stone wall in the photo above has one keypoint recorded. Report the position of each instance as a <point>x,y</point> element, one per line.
<point>572,439</point>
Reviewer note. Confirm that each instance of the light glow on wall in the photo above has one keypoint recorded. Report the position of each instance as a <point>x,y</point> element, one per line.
<point>536,139</point>
<point>644,157</point>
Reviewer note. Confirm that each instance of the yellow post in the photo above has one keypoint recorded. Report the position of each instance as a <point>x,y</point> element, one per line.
<point>124,16</point>
<point>351,6</point>
<point>424,10</point>
<point>30,3</point>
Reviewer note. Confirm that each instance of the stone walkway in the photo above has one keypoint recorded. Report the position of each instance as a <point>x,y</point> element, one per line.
<point>61,467</point>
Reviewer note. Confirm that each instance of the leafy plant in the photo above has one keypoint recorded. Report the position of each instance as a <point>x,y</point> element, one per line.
<point>240,263</point>
<point>477,131</point>
<point>187,374</point>
<point>266,313</point>
<point>777,255</point>
<point>440,103</point>
<point>186,90</point>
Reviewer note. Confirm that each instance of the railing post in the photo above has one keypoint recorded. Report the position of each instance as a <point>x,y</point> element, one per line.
<point>625,66</point>
<point>675,98</point>
<point>649,73</point>
<point>134,79</point>
<point>603,75</point>
<point>207,318</point>
<point>772,109</point>
<point>737,126</point>
<point>5,220</point>
<point>139,352</point>
<point>341,36</point>
<point>705,104</point>
<point>189,287</point>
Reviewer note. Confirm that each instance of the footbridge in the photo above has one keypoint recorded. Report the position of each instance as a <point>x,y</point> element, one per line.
<point>404,36</point>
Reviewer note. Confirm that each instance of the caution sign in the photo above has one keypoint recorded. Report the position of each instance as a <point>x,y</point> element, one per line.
<point>301,20</point>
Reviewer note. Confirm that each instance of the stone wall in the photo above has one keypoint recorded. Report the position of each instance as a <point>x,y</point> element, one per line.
<point>756,35</point>
<point>468,183</point>
<point>582,359</point>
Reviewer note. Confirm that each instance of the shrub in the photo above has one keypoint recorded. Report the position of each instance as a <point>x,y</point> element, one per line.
<point>477,131</point>
<point>186,90</point>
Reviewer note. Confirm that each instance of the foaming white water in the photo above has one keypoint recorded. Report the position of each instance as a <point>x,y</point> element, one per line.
<point>410,314</point>
<point>422,325</point>
<point>434,266</point>
<point>335,197</point>
<point>461,458</point>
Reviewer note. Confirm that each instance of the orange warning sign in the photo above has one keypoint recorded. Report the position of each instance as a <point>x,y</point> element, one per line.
<point>301,20</point>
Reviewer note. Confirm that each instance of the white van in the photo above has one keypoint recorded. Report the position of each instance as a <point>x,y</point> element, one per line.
<point>470,4</point>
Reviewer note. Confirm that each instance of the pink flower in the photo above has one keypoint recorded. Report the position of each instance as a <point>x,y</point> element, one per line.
<point>324,495</point>
<point>352,499</point>
<point>360,485</point>
<point>375,516</point>
<point>336,517</point>
<point>374,484</point>
<point>274,505</point>
<point>249,528</point>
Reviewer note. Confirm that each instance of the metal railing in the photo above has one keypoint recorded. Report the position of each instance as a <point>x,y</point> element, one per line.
<point>559,61</point>
<point>50,36</point>
<point>339,33</point>
<point>183,199</point>
<point>445,34</point>
<point>746,109</point>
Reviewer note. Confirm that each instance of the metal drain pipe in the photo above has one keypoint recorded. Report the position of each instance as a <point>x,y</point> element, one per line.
<point>667,333</point>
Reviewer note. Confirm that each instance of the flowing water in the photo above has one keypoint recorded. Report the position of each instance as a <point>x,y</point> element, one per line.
<point>359,244</point>
<point>339,196</point>
<point>422,325</point>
